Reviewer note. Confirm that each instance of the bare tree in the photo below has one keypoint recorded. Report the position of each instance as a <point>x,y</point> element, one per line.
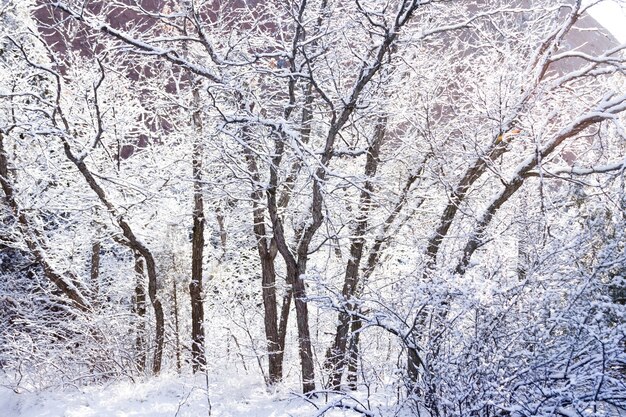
<point>435,187</point>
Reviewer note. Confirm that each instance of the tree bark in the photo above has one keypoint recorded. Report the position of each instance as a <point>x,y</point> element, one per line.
<point>337,353</point>
<point>353,352</point>
<point>304,334</point>
<point>267,250</point>
<point>95,267</point>
<point>510,188</point>
<point>176,327</point>
<point>274,346</point>
<point>140,310</point>
<point>296,268</point>
<point>456,198</point>
<point>197,246</point>
<point>198,358</point>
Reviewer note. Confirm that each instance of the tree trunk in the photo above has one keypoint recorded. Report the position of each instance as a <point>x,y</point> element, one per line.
<point>295,271</point>
<point>140,311</point>
<point>133,243</point>
<point>274,347</point>
<point>195,294</point>
<point>304,334</point>
<point>337,353</point>
<point>176,327</point>
<point>159,318</point>
<point>198,360</point>
<point>95,267</point>
<point>414,362</point>
<point>219,216</point>
<point>282,324</point>
<point>353,352</point>
<point>70,287</point>
<point>274,331</point>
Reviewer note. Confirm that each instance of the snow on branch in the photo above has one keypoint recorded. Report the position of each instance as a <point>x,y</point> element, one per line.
<point>577,171</point>
<point>168,54</point>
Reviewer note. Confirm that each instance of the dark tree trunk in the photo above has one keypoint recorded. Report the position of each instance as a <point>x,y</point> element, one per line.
<point>510,188</point>
<point>414,362</point>
<point>95,267</point>
<point>296,265</point>
<point>304,334</point>
<point>337,353</point>
<point>4,165</point>
<point>274,347</point>
<point>140,311</point>
<point>195,293</point>
<point>266,247</point>
<point>159,317</point>
<point>197,247</point>
<point>282,324</point>
<point>296,268</point>
<point>353,352</point>
<point>176,326</point>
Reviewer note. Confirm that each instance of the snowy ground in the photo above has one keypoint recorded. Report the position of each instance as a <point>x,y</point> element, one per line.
<point>170,396</point>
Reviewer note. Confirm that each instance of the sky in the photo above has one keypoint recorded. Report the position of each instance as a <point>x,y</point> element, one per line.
<point>612,16</point>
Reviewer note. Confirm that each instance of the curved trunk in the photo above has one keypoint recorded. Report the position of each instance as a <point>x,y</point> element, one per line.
<point>70,287</point>
<point>135,244</point>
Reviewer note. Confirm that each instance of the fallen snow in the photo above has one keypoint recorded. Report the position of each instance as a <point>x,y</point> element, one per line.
<point>168,396</point>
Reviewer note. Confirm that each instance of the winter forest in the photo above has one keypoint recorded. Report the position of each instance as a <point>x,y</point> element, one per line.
<point>311,208</point>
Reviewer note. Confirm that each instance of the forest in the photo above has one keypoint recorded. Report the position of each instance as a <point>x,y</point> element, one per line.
<point>311,208</point>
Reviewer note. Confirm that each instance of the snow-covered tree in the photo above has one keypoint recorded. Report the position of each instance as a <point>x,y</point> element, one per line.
<point>436,181</point>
